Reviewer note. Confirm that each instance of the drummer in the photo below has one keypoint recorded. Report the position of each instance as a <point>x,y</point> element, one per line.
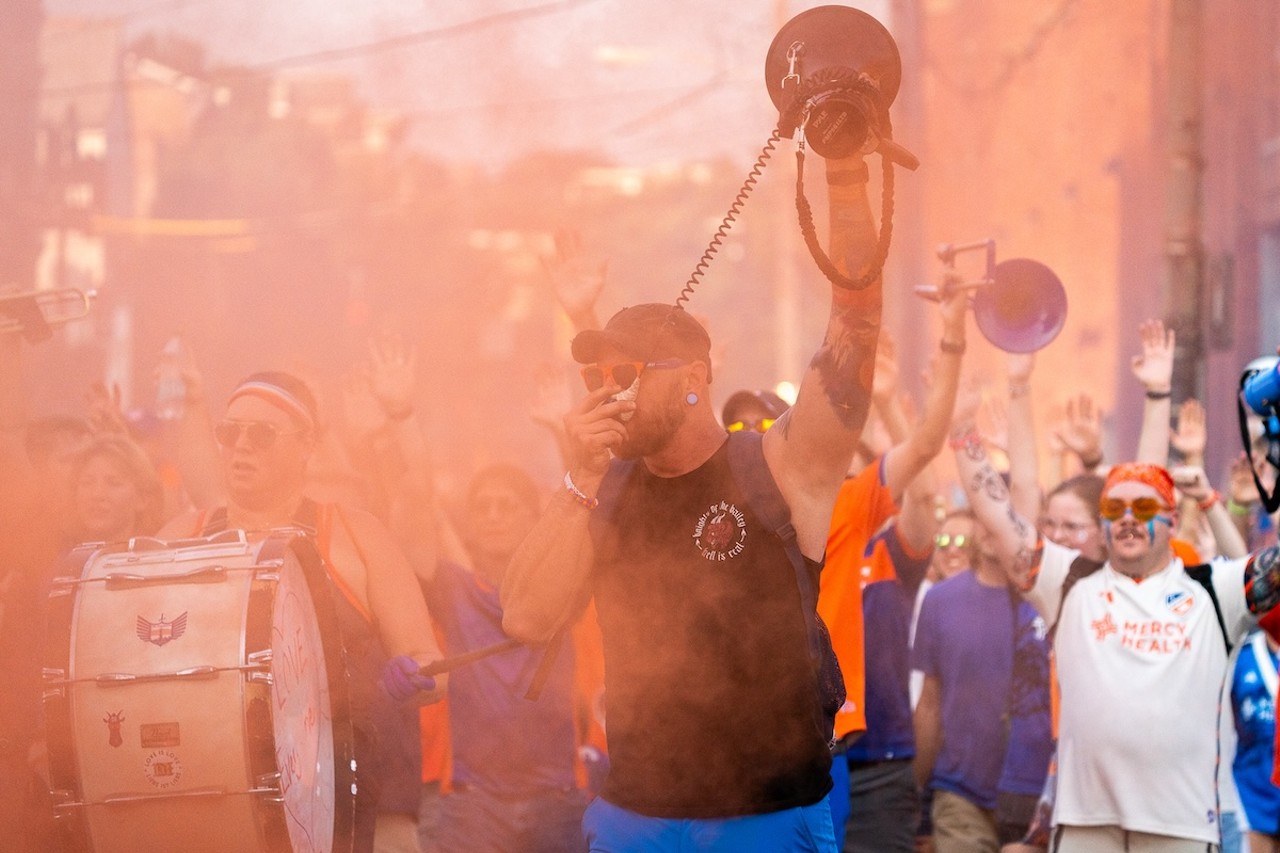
<point>267,438</point>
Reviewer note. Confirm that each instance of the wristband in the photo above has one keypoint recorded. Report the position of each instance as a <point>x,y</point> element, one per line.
<point>1238,510</point>
<point>848,177</point>
<point>577,494</point>
<point>400,415</point>
<point>951,347</point>
<point>1158,395</point>
<point>1209,501</point>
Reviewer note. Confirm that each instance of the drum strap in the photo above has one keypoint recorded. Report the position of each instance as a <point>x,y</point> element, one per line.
<point>316,519</point>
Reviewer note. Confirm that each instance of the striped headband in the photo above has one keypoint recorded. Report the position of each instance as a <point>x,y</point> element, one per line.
<point>277,396</point>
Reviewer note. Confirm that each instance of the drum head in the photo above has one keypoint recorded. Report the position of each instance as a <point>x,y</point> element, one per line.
<point>301,714</point>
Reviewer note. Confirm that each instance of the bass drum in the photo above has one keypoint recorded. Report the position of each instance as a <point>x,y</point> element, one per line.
<point>195,698</point>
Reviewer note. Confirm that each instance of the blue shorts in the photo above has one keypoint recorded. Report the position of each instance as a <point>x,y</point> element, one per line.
<point>612,829</point>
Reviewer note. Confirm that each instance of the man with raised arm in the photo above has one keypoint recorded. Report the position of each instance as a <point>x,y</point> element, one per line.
<point>1141,644</point>
<point>718,737</point>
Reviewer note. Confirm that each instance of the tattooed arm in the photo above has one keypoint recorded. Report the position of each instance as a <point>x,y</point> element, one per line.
<point>811,446</point>
<point>1013,537</point>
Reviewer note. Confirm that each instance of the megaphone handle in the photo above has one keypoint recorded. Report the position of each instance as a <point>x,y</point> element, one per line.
<point>895,153</point>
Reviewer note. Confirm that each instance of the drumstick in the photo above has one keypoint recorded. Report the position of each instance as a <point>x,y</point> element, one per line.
<point>447,664</point>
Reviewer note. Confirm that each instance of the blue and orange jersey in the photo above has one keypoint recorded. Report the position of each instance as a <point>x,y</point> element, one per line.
<point>862,507</point>
<point>891,573</point>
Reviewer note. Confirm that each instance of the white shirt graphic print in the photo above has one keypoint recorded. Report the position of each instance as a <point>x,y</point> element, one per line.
<point>1141,668</point>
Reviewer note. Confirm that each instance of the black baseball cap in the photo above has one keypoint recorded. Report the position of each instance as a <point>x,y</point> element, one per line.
<point>649,332</point>
<point>772,404</point>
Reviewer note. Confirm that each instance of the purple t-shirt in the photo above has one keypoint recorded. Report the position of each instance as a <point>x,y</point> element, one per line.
<point>502,741</point>
<point>965,638</point>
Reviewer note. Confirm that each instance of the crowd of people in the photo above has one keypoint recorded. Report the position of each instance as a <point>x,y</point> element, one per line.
<point>845,622</point>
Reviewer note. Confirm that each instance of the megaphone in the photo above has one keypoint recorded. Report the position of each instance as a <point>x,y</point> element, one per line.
<point>1260,395</point>
<point>832,72</point>
<point>1023,309</point>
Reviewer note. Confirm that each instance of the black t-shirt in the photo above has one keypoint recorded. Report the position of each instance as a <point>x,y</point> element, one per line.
<point>713,703</point>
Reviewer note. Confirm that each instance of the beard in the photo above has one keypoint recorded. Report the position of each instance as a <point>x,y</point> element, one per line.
<point>654,426</point>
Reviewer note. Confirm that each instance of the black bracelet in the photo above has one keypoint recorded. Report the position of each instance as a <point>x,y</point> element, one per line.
<point>1159,395</point>
<point>951,347</point>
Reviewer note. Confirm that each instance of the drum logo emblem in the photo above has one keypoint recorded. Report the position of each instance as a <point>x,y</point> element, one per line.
<point>162,768</point>
<point>162,632</point>
<point>113,721</point>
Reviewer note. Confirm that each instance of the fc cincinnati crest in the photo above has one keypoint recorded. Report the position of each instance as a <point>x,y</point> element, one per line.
<point>721,532</point>
<point>162,632</point>
<point>1179,603</point>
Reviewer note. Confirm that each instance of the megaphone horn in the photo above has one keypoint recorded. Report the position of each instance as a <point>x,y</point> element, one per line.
<point>1023,309</point>
<point>834,70</point>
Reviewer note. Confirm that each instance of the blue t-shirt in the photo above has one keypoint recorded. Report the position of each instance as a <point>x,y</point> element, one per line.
<point>1030,745</point>
<point>887,603</point>
<point>501,740</point>
<point>964,638</point>
<point>1255,715</point>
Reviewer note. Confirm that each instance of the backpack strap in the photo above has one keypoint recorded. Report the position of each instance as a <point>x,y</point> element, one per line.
<point>751,473</point>
<point>1203,575</point>
<point>1081,567</point>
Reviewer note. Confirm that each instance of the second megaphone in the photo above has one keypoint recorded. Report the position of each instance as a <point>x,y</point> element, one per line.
<point>832,72</point>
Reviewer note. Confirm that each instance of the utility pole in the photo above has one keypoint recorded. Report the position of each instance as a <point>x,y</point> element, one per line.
<point>1184,256</point>
<point>20,23</point>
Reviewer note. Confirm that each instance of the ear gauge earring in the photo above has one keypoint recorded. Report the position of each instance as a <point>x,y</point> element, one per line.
<point>691,398</point>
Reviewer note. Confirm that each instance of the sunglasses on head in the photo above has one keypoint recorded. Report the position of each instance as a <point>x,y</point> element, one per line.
<point>1142,509</point>
<point>947,540</point>
<point>623,373</point>
<point>261,434</point>
<point>761,425</point>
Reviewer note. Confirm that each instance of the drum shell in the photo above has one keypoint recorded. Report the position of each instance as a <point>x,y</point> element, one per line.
<point>193,748</point>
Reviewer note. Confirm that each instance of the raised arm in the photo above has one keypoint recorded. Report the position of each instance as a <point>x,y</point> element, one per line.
<point>1014,538</point>
<point>809,449</point>
<point>1024,458</point>
<point>1154,369</point>
<point>904,462</point>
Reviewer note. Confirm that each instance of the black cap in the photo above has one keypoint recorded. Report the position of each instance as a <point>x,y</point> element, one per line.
<point>772,404</point>
<point>650,332</point>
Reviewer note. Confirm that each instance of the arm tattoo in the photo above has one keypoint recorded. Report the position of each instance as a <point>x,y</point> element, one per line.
<point>1019,523</point>
<point>987,480</point>
<point>846,364</point>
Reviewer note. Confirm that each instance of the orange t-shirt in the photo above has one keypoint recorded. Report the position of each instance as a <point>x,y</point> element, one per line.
<point>862,507</point>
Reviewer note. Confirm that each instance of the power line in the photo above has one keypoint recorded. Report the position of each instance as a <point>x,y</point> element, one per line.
<point>320,57</point>
<point>421,36</point>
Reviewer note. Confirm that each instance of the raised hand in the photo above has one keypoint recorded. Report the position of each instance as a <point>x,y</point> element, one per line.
<point>1153,367</point>
<point>594,427</point>
<point>106,415</point>
<point>576,280</point>
<point>1080,430</point>
<point>392,375</point>
<point>1191,436</point>
<point>362,413</point>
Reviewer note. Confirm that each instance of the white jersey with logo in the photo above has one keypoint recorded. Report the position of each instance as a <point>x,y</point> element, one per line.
<point>1142,667</point>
